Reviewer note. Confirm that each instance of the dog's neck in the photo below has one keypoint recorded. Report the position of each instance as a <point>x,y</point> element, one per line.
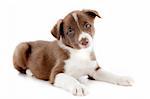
<point>62,45</point>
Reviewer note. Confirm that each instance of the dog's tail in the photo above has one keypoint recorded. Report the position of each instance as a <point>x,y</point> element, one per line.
<point>21,56</point>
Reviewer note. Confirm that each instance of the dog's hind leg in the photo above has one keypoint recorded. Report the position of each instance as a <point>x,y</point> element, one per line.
<point>20,57</point>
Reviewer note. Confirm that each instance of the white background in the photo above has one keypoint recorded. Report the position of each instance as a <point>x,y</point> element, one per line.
<point>122,45</point>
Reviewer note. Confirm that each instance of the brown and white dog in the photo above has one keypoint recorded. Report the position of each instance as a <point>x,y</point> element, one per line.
<point>66,60</point>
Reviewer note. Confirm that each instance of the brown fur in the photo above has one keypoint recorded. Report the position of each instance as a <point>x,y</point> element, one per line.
<point>41,60</point>
<point>46,59</point>
<point>71,39</point>
<point>20,57</point>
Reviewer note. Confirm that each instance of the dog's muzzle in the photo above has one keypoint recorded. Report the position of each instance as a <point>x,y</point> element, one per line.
<point>85,40</point>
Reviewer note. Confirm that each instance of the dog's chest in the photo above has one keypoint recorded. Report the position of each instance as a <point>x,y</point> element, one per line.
<point>79,63</point>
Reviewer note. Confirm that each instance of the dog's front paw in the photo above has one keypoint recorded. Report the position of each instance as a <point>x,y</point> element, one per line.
<point>79,90</point>
<point>124,81</point>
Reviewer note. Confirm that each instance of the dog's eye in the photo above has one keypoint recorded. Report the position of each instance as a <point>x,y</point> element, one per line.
<point>87,25</point>
<point>70,31</point>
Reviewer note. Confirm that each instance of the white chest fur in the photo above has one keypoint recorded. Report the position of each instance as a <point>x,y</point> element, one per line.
<point>79,63</point>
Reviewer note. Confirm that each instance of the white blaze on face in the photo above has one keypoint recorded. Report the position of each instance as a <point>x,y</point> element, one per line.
<point>83,35</point>
<point>74,15</point>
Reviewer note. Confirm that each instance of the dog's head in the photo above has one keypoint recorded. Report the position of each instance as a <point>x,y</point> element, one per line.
<point>76,30</point>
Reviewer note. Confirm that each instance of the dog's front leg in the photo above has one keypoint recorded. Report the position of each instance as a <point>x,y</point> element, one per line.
<point>102,75</point>
<point>70,84</point>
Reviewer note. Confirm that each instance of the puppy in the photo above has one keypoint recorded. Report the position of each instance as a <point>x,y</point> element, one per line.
<point>65,61</point>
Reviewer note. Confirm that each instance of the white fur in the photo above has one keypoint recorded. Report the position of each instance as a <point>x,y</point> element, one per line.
<point>70,84</point>
<point>76,67</point>
<point>83,79</point>
<point>29,73</point>
<point>79,63</point>
<point>102,75</point>
<point>76,19</point>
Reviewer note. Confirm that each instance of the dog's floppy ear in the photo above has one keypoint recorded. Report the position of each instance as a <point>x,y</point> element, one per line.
<point>91,13</point>
<point>57,30</point>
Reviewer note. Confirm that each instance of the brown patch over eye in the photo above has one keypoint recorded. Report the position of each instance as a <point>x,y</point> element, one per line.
<point>70,31</point>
